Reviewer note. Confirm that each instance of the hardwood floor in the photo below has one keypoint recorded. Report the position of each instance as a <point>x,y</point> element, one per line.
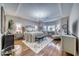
<point>49,50</point>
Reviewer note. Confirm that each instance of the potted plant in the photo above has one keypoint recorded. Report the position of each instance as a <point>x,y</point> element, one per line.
<point>10,26</point>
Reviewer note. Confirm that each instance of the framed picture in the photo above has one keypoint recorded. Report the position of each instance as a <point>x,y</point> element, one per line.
<point>3,20</point>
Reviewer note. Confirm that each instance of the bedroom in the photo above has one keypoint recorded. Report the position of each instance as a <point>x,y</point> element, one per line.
<point>35,28</point>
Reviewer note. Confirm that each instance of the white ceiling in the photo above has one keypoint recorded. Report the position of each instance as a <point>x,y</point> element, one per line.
<point>48,11</point>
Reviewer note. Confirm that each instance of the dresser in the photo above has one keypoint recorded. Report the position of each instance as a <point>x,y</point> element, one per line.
<point>69,44</point>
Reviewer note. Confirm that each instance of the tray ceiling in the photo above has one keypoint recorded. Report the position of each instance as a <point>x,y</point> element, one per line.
<point>38,11</point>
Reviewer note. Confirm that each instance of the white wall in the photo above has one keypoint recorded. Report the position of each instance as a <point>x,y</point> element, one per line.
<point>0,32</point>
<point>22,21</point>
<point>78,28</point>
<point>0,36</point>
<point>74,16</point>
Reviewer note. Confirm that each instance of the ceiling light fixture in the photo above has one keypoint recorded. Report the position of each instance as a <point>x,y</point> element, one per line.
<point>40,14</point>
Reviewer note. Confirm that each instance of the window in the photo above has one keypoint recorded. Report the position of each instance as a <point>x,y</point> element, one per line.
<point>36,28</point>
<point>57,27</point>
<point>44,28</point>
<point>18,27</point>
<point>51,28</point>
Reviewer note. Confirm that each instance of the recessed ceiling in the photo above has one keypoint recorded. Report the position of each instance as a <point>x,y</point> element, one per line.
<point>42,10</point>
<point>38,11</point>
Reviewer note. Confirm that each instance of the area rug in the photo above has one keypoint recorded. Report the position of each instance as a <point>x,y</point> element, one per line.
<point>37,47</point>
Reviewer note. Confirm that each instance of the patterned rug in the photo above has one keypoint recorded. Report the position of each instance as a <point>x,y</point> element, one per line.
<point>37,47</point>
